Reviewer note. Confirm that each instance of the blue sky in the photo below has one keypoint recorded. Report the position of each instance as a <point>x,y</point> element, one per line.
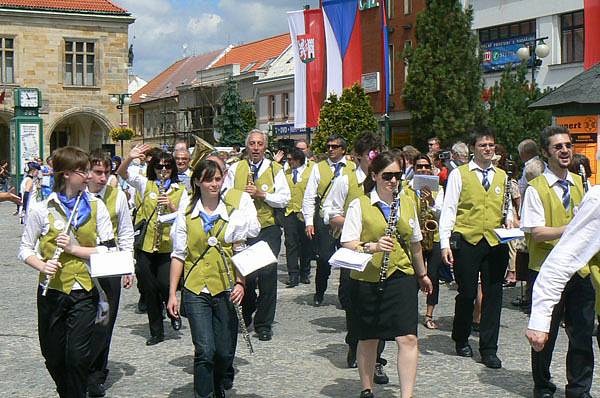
<point>163,27</point>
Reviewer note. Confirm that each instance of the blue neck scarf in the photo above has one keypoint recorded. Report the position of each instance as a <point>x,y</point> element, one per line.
<point>385,209</point>
<point>209,221</point>
<point>83,211</point>
<point>166,185</point>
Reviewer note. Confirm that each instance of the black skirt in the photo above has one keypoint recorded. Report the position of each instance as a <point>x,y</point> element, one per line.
<point>386,315</point>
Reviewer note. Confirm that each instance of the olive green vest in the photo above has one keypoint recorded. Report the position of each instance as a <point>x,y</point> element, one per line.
<point>326,175</point>
<point>555,215</point>
<point>149,204</point>
<point>479,211</point>
<point>110,200</point>
<point>355,190</point>
<point>265,182</point>
<point>72,268</point>
<point>209,269</point>
<point>411,193</point>
<point>297,190</point>
<point>373,228</point>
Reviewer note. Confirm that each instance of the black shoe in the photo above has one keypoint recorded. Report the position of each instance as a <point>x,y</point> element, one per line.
<point>380,377</point>
<point>96,390</point>
<point>491,361</point>
<point>475,327</point>
<point>318,299</point>
<point>464,350</point>
<point>542,393</point>
<point>305,280</point>
<point>264,335</point>
<point>176,323</point>
<point>155,340</point>
<point>219,392</point>
<point>351,359</point>
<point>292,282</point>
<point>366,394</point>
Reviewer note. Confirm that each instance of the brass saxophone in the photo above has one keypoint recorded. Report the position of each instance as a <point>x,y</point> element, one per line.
<point>160,210</point>
<point>250,178</point>
<point>428,224</point>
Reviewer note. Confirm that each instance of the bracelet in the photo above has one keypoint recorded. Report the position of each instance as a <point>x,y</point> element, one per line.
<point>241,284</point>
<point>367,249</point>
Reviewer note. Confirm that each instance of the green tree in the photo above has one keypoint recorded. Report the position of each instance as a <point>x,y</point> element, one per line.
<point>509,114</point>
<point>347,116</point>
<point>444,84</point>
<point>248,114</point>
<point>230,123</point>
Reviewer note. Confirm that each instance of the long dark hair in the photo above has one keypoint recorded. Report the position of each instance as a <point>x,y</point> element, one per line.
<point>204,171</point>
<point>155,162</point>
<point>382,161</point>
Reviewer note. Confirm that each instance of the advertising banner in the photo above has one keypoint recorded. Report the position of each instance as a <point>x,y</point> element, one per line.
<point>499,53</point>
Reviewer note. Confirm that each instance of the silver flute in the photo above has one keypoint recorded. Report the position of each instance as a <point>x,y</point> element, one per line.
<point>60,250</point>
<point>212,241</point>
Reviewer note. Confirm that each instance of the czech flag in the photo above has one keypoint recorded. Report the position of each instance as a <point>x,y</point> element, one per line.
<point>343,39</point>
<point>308,45</point>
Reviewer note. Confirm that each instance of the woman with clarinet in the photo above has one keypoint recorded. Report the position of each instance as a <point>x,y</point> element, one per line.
<point>60,236</point>
<point>383,296</point>
<point>207,231</point>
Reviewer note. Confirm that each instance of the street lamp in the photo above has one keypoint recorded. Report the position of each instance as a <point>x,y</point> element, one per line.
<point>120,100</point>
<point>534,50</point>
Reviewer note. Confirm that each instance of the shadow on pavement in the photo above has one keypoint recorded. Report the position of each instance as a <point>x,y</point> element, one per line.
<point>307,299</point>
<point>444,323</point>
<point>441,343</point>
<point>335,353</point>
<point>344,388</point>
<point>142,329</point>
<point>332,324</point>
<point>116,371</point>
<point>185,362</point>
<point>512,381</point>
<point>183,391</point>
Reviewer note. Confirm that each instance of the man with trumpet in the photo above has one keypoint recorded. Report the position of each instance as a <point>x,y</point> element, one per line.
<point>265,182</point>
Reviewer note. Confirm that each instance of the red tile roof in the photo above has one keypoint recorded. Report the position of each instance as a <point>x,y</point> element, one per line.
<point>258,52</point>
<point>87,6</point>
<point>181,72</point>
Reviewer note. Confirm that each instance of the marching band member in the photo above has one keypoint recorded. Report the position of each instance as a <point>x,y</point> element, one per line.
<point>317,189</point>
<point>265,181</point>
<point>473,204</point>
<point>160,193</point>
<point>296,241</point>
<point>67,313</point>
<point>549,204</point>
<point>345,189</point>
<point>116,203</point>
<point>390,314</point>
<point>433,256</point>
<point>206,295</point>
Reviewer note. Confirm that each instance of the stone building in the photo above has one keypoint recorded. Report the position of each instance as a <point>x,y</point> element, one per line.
<point>76,54</point>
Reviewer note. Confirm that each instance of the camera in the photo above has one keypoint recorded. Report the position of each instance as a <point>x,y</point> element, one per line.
<point>445,155</point>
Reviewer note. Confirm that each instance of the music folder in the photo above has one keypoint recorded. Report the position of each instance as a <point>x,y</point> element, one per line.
<point>253,258</point>
<point>346,258</point>
<point>508,234</point>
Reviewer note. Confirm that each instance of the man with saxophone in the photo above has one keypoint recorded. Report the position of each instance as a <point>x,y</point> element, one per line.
<point>472,208</point>
<point>318,188</point>
<point>265,181</point>
<point>549,205</point>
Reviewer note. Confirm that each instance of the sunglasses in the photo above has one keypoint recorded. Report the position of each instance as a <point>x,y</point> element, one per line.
<point>163,166</point>
<point>333,146</point>
<point>422,166</point>
<point>558,147</point>
<point>387,176</point>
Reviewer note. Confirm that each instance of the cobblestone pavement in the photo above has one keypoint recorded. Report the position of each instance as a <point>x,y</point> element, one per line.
<point>306,357</point>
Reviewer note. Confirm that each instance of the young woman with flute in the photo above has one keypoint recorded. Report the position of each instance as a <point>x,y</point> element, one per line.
<point>67,226</point>
<point>384,222</point>
<point>204,236</point>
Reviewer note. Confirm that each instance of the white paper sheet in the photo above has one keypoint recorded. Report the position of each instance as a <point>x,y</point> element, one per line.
<point>508,234</point>
<point>111,264</point>
<point>421,181</point>
<point>346,258</point>
<point>253,258</point>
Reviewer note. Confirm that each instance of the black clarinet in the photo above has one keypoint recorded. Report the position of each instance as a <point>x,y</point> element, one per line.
<point>586,183</point>
<point>390,231</point>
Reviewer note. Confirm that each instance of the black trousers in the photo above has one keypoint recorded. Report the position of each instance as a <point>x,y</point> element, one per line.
<point>65,328</point>
<point>325,247</point>
<point>576,307</point>
<point>103,333</point>
<point>266,280</point>
<point>296,247</point>
<point>471,261</point>
<point>152,271</point>
<point>434,265</point>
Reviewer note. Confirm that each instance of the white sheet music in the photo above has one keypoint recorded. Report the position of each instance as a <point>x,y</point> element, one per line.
<point>346,258</point>
<point>253,258</point>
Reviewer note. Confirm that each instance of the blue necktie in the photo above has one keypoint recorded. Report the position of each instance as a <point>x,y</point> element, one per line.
<point>255,169</point>
<point>385,209</point>
<point>209,221</point>
<point>338,168</point>
<point>484,179</point>
<point>295,175</point>
<point>566,197</point>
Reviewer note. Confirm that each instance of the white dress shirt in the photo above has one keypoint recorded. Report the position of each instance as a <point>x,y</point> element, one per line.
<point>532,209</point>
<point>333,205</point>
<point>578,244</point>
<point>125,227</point>
<point>310,195</point>
<point>452,196</point>
<point>353,224</point>
<point>139,182</point>
<point>278,199</point>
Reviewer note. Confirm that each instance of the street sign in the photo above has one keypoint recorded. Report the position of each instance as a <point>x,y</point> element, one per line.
<point>123,124</point>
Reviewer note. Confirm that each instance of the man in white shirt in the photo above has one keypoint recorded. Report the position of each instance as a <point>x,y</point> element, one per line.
<point>318,188</point>
<point>182,160</point>
<point>265,181</point>
<point>473,205</point>
<point>548,206</point>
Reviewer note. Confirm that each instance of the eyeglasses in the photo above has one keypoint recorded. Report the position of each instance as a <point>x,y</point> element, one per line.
<point>333,146</point>
<point>387,176</point>
<point>486,146</point>
<point>422,166</point>
<point>560,146</point>
<point>83,173</point>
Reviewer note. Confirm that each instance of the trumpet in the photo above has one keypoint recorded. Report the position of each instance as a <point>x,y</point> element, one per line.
<point>160,210</point>
<point>60,250</point>
<point>428,224</point>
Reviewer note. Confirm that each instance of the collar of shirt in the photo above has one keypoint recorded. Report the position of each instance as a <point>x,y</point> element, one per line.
<point>100,193</point>
<point>474,166</point>
<point>375,197</point>
<point>361,176</point>
<point>553,178</point>
<point>343,160</point>
<point>265,163</point>
<point>300,170</point>
<point>221,210</point>
<point>187,172</point>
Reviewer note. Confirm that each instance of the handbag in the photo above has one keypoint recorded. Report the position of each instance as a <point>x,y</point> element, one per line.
<point>139,231</point>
